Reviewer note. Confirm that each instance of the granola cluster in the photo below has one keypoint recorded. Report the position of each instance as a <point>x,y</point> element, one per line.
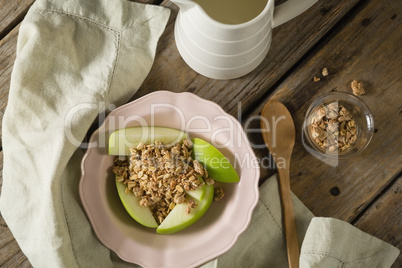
<point>218,193</point>
<point>357,88</point>
<point>324,72</point>
<point>160,175</point>
<point>333,128</point>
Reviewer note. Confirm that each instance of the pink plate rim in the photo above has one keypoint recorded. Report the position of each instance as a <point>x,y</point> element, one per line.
<point>106,229</point>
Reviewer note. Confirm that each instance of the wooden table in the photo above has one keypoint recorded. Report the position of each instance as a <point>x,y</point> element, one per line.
<point>354,39</point>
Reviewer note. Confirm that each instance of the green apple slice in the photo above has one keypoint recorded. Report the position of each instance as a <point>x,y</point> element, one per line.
<point>217,165</point>
<point>121,140</point>
<point>198,193</point>
<point>178,220</point>
<point>131,203</point>
<point>143,215</point>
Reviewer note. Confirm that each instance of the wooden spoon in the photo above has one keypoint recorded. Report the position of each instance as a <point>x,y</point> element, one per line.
<point>278,131</point>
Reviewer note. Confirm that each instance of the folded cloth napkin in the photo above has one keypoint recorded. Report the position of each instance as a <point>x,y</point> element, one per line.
<point>325,242</point>
<point>74,59</point>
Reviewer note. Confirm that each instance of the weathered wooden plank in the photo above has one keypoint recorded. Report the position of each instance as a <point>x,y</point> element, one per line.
<point>12,256</point>
<point>171,73</point>
<point>7,58</point>
<point>290,42</point>
<point>383,218</point>
<point>368,50</point>
<point>251,90</point>
<point>11,13</point>
<point>18,261</point>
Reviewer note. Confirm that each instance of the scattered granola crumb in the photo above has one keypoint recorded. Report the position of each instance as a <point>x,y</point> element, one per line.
<point>325,72</point>
<point>218,193</point>
<point>357,88</point>
<point>316,79</point>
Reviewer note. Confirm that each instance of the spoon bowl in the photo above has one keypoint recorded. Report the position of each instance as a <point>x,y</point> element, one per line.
<point>280,137</point>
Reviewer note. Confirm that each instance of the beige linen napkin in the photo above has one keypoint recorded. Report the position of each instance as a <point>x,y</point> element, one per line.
<point>335,243</point>
<point>325,242</point>
<point>74,58</point>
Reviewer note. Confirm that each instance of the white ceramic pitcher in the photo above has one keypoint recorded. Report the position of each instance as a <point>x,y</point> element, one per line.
<point>219,48</point>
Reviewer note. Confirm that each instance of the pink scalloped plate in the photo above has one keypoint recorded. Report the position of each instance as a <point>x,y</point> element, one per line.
<point>217,231</point>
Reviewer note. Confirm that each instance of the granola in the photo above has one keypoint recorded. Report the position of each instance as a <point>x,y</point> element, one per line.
<point>357,88</point>
<point>159,175</point>
<point>316,79</point>
<point>333,127</point>
<point>325,72</point>
<point>218,193</point>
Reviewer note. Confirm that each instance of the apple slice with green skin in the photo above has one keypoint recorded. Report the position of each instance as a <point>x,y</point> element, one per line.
<point>217,165</point>
<point>121,140</point>
<point>178,220</point>
<point>143,215</point>
<point>198,193</point>
<point>131,203</point>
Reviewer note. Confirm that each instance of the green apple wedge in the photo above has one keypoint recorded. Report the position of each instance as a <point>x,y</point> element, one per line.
<point>121,140</point>
<point>143,215</point>
<point>178,220</point>
<point>131,203</point>
<point>217,165</point>
<point>198,193</point>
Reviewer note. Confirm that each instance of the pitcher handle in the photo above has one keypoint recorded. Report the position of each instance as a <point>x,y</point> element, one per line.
<point>290,9</point>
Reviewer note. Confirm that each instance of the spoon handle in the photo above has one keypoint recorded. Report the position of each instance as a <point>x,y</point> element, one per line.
<point>292,243</point>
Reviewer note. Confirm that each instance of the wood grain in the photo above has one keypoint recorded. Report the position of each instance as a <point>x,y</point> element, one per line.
<point>354,40</point>
<point>170,72</point>
<point>376,62</point>
<point>280,143</point>
<point>7,58</point>
<point>383,218</point>
<point>11,13</point>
